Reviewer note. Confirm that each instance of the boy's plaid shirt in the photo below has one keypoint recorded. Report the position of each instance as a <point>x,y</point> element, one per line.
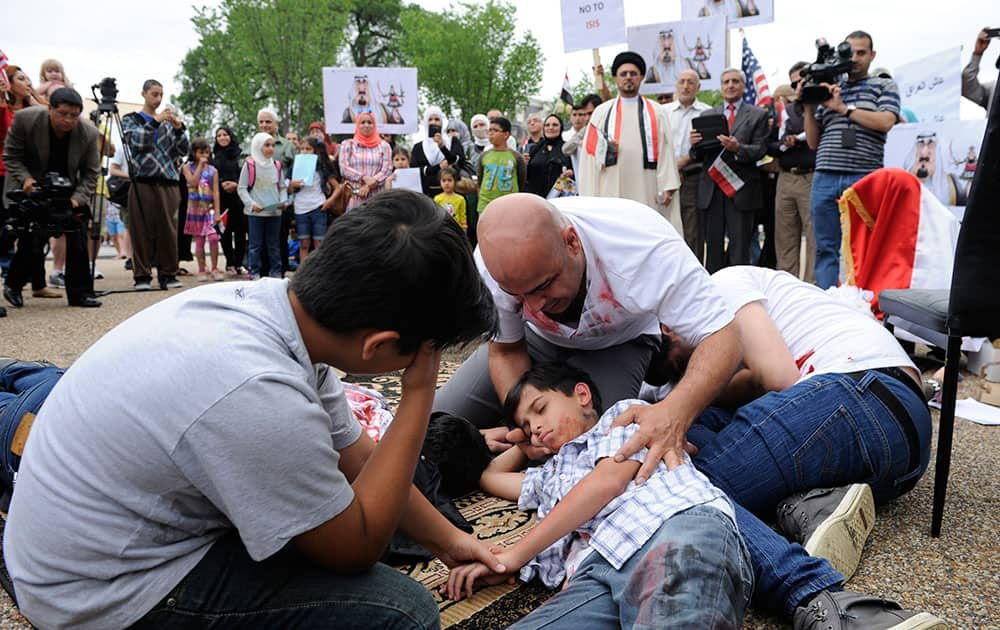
<point>155,147</point>
<point>625,524</point>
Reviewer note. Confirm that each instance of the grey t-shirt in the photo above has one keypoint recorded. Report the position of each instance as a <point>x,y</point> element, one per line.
<point>195,416</point>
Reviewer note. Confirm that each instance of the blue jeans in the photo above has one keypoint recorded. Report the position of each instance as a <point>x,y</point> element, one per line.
<point>827,187</point>
<point>265,232</point>
<point>826,431</point>
<point>24,386</point>
<point>693,573</point>
<point>228,589</point>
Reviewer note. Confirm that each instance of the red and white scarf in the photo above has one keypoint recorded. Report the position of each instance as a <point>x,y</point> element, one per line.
<point>648,132</point>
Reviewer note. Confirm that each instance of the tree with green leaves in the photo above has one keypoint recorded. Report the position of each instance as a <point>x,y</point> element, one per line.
<point>260,53</point>
<point>470,58</point>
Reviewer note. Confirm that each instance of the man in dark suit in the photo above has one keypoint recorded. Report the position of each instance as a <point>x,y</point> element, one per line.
<point>733,215</point>
<point>51,140</point>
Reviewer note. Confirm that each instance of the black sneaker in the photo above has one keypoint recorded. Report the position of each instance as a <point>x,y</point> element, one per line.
<point>831,523</point>
<point>170,282</point>
<point>845,610</point>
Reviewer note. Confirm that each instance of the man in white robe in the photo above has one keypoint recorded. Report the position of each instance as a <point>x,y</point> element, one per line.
<point>628,150</point>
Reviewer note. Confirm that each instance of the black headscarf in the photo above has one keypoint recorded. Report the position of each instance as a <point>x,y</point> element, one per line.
<point>227,159</point>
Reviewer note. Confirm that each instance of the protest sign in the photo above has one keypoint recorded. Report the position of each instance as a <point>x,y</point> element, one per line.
<point>592,23</point>
<point>930,89</point>
<point>672,47</point>
<point>740,13</point>
<point>942,155</point>
<point>390,94</point>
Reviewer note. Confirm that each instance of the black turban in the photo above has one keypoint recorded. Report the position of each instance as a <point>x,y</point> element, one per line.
<point>628,57</point>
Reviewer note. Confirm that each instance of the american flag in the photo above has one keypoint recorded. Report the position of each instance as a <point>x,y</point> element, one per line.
<point>4,83</point>
<point>757,91</point>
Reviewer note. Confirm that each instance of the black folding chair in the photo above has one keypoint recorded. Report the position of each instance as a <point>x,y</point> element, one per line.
<point>971,307</point>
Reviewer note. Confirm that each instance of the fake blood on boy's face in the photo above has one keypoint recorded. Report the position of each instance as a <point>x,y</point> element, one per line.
<point>552,418</point>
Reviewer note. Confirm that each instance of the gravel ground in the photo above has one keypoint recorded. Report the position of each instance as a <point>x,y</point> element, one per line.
<point>956,576</point>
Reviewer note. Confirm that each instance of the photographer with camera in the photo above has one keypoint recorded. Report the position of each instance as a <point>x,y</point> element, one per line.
<point>848,131</point>
<point>47,144</point>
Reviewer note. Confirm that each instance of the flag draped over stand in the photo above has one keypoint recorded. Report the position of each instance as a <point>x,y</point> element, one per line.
<point>896,234</point>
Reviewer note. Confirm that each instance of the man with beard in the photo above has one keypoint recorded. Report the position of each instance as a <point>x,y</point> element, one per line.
<point>362,101</point>
<point>628,151</point>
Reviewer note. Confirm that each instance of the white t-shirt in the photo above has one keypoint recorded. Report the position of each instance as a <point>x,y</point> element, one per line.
<point>216,420</point>
<point>310,197</point>
<point>639,273</point>
<point>823,334</point>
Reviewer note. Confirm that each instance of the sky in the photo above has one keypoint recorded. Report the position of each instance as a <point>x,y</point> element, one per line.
<point>97,39</point>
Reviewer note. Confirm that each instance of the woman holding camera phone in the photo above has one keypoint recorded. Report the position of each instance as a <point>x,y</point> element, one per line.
<point>435,152</point>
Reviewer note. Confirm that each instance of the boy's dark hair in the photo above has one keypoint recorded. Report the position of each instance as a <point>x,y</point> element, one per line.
<point>449,171</point>
<point>397,262</point>
<point>66,96</point>
<point>501,122</point>
<point>459,450</point>
<point>591,98</point>
<point>551,376</point>
<point>862,35</point>
<point>200,144</point>
<point>401,151</point>
<point>148,83</point>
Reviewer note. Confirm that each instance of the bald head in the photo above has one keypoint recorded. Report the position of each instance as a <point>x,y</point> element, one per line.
<point>687,87</point>
<point>516,225</point>
<point>532,251</point>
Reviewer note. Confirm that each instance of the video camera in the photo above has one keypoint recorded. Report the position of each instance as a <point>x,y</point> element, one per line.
<point>46,211</point>
<point>109,95</point>
<point>830,64</point>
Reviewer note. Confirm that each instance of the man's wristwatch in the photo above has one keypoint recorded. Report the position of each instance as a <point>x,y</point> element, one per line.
<point>850,110</point>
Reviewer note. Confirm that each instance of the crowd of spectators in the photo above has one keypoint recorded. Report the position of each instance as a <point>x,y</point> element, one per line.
<point>794,161</point>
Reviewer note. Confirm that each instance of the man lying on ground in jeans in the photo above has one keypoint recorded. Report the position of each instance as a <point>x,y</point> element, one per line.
<point>826,397</point>
<point>662,554</point>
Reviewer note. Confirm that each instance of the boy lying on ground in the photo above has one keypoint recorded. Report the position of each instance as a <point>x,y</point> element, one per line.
<point>666,552</point>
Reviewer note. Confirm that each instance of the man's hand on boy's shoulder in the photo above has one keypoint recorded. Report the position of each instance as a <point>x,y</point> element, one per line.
<point>660,433</point>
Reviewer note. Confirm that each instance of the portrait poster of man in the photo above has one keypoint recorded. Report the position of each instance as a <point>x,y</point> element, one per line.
<point>670,48</point>
<point>943,156</point>
<point>740,13</point>
<point>390,94</point>
<point>930,89</point>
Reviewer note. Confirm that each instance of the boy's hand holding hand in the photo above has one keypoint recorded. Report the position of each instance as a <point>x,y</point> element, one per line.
<point>463,549</point>
<point>463,578</point>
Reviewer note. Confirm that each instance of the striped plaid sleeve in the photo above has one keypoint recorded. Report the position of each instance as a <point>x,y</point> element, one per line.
<point>531,497</point>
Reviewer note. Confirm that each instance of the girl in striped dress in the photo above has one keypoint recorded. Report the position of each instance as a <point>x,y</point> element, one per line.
<point>203,204</point>
<point>365,160</point>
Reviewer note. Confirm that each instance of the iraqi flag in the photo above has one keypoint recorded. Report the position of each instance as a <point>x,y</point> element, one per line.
<point>724,175</point>
<point>567,91</point>
<point>896,234</point>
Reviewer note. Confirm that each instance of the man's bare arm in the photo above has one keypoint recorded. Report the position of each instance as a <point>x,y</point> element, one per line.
<point>508,361</point>
<point>663,426</point>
